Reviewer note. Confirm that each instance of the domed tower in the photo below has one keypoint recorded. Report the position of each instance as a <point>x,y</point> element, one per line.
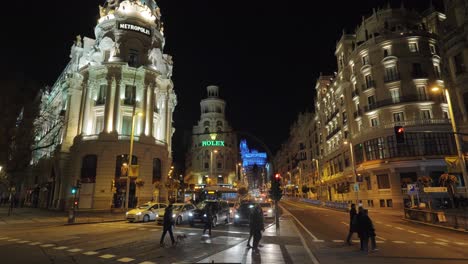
<point>117,87</point>
<point>213,155</point>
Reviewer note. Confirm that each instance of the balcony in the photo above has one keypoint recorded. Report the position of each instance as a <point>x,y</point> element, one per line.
<point>334,132</point>
<point>392,78</point>
<point>129,101</point>
<point>354,93</point>
<point>419,75</point>
<point>330,118</point>
<point>100,101</point>
<point>357,114</point>
<point>368,85</point>
<point>403,99</point>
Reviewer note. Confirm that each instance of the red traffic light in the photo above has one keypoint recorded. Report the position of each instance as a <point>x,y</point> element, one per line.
<point>400,130</point>
<point>277,176</point>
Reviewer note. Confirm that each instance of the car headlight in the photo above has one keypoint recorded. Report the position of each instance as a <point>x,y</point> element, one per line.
<point>190,214</point>
<point>126,213</point>
<point>173,216</point>
<point>269,210</point>
<point>236,216</point>
<point>157,215</point>
<point>204,215</point>
<point>139,213</point>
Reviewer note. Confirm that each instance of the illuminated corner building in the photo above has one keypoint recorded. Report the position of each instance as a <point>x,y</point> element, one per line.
<point>255,166</point>
<point>212,156</point>
<point>91,106</point>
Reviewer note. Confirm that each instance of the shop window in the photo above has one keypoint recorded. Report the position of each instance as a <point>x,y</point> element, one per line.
<point>88,169</point>
<point>382,202</point>
<point>389,203</point>
<point>383,181</point>
<point>157,170</point>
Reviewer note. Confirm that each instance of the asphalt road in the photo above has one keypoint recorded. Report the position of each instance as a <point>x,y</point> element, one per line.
<point>398,241</point>
<point>117,242</point>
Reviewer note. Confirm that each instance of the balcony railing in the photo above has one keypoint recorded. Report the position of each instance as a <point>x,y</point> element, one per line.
<point>357,114</point>
<point>334,132</point>
<point>100,101</point>
<point>330,118</point>
<point>392,78</point>
<point>129,101</point>
<point>419,75</point>
<point>403,99</point>
<point>368,85</point>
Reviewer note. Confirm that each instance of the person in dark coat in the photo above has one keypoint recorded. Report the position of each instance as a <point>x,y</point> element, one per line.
<point>366,230</point>
<point>257,226</point>
<point>352,223</point>
<point>208,219</point>
<point>168,222</point>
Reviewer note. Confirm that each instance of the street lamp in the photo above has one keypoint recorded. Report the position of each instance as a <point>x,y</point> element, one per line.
<point>354,166</point>
<point>461,157</point>
<point>127,194</point>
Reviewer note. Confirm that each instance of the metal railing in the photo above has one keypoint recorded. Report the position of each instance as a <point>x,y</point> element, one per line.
<point>457,220</point>
<point>403,99</point>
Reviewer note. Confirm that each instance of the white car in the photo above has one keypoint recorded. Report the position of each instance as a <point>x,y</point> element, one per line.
<point>145,212</point>
<point>180,213</point>
<point>268,210</point>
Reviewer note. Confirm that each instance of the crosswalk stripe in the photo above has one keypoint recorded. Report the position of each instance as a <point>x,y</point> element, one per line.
<point>424,235</point>
<point>399,228</point>
<point>23,241</point>
<point>141,229</point>
<point>107,256</point>
<point>35,243</point>
<point>420,242</point>
<point>13,239</point>
<point>125,259</point>
<point>399,242</point>
<point>411,231</point>
<point>443,240</point>
<point>47,245</point>
<point>461,243</point>
<point>379,242</point>
<point>318,240</point>
<point>60,248</point>
<point>153,230</point>
<point>147,262</point>
<point>338,241</point>
<point>4,238</point>
<point>90,253</point>
<point>441,243</point>
<point>75,250</point>
<point>389,225</point>
<point>356,241</point>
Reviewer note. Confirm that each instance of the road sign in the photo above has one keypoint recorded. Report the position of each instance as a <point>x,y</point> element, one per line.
<point>356,187</point>
<point>412,189</point>
<point>435,189</point>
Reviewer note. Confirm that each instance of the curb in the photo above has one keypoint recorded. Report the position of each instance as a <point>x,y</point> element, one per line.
<point>438,226</point>
<point>95,222</point>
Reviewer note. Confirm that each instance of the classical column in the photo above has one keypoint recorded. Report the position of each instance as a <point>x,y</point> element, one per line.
<point>84,92</point>
<point>107,110</point>
<point>150,116</point>
<point>144,108</point>
<point>116,119</point>
<point>87,105</point>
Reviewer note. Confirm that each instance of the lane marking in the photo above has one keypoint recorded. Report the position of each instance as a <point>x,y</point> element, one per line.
<point>303,241</point>
<point>440,243</point>
<point>75,250</point>
<point>399,242</point>
<point>356,241</point>
<point>4,238</point>
<point>48,245</point>
<point>411,231</point>
<point>378,222</point>
<point>420,242</point>
<point>23,241</point>
<point>107,256</point>
<point>310,234</point>
<point>461,243</point>
<point>147,262</point>
<point>346,224</point>
<point>424,235</point>
<point>125,259</point>
<point>141,229</point>
<point>60,248</point>
<point>380,237</point>
<point>14,239</point>
<point>318,241</point>
<point>338,241</point>
<point>389,225</point>
<point>90,253</point>
<point>399,228</point>
<point>153,230</point>
<point>35,243</point>
<point>443,240</point>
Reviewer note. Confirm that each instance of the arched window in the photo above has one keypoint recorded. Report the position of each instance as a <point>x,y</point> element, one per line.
<point>219,123</point>
<point>206,123</point>
<point>88,169</point>
<point>121,165</point>
<point>157,170</point>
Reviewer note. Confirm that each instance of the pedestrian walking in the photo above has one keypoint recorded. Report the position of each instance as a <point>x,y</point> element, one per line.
<point>258,226</point>
<point>168,223</point>
<point>366,230</point>
<point>208,219</point>
<point>353,222</point>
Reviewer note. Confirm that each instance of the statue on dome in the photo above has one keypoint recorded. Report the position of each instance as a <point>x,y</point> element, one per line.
<point>155,57</point>
<point>78,42</point>
<point>116,49</point>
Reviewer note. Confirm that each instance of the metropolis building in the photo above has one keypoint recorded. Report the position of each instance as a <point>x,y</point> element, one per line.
<point>385,73</point>
<point>115,86</point>
<point>212,157</point>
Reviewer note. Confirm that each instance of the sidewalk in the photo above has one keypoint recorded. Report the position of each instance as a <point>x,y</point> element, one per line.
<point>35,215</point>
<point>286,246</point>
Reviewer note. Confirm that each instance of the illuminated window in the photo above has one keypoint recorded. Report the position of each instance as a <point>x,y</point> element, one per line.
<point>126,125</point>
<point>422,95</point>
<point>413,47</point>
<point>365,60</point>
<point>395,93</point>
<point>130,95</point>
<point>398,117</point>
<point>101,99</point>
<point>426,114</point>
<point>99,124</point>
<point>391,74</point>
<point>374,122</point>
<point>432,48</point>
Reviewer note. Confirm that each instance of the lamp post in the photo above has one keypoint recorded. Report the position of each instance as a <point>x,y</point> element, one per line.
<point>319,179</point>
<point>127,193</point>
<point>354,166</point>
<point>458,143</point>
<point>211,163</point>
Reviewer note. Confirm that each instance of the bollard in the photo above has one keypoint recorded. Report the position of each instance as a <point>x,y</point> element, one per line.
<point>71,216</point>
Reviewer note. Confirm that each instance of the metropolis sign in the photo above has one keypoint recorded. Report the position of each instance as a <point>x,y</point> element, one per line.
<point>212,143</point>
<point>135,28</point>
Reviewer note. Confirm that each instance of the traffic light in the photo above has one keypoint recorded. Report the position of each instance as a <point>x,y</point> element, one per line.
<point>75,203</point>
<point>276,192</point>
<point>74,190</point>
<point>78,184</point>
<point>399,134</point>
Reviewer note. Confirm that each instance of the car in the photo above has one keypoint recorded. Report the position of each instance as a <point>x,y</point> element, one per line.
<point>145,212</point>
<point>180,213</point>
<point>220,209</point>
<point>232,208</point>
<point>243,213</point>
<point>268,210</point>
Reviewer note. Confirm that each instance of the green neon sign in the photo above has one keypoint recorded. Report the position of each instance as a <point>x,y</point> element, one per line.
<point>212,143</point>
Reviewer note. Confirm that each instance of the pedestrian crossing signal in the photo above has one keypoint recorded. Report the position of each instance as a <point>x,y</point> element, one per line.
<point>73,190</point>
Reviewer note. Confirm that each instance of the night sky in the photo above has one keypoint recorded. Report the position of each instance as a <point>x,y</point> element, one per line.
<point>264,55</point>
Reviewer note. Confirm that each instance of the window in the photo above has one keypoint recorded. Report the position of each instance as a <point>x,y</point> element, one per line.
<point>391,74</point>
<point>133,58</point>
<point>383,181</point>
<point>422,95</point>
<point>386,52</point>
<point>398,117</point>
<point>437,71</point>
<point>126,125</point>
<point>417,70</point>
<point>426,114</point>
<point>459,63</point>
<point>130,94</point>
<point>369,81</point>
<point>157,170</point>
<point>371,100</point>
<point>395,94</point>
<point>99,125</point>
<point>374,122</point>
<point>382,203</point>
<point>219,165</point>
<point>413,46</point>
<point>445,115</point>
<point>375,149</point>
<point>101,99</point>
<point>121,165</point>
<point>365,60</point>
<point>432,48</point>
<point>88,169</point>
<point>206,166</point>
<point>368,182</point>
<point>389,203</point>
<point>345,118</point>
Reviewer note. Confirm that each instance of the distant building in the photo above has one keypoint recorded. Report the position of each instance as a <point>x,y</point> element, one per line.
<point>213,154</point>
<point>118,82</point>
<point>254,166</point>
